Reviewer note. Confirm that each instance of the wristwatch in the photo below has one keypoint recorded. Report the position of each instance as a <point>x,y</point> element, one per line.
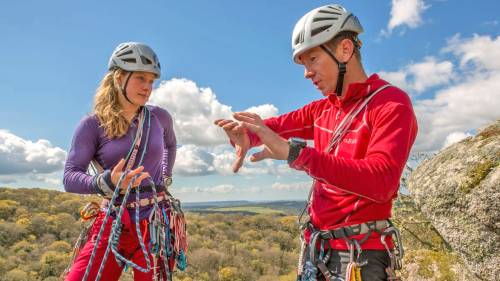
<point>296,145</point>
<point>167,181</point>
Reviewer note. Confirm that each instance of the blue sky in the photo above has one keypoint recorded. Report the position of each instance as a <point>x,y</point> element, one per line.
<point>224,56</point>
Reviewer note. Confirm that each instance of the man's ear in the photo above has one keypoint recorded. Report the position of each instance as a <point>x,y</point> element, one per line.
<point>345,50</point>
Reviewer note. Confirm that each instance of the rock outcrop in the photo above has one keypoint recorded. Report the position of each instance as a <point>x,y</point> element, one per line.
<point>458,191</point>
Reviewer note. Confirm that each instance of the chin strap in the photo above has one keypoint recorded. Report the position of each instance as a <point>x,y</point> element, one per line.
<point>342,70</point>
<point>124,87</point>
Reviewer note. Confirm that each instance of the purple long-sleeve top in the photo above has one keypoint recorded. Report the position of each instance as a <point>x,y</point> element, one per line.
<point>90,142</point>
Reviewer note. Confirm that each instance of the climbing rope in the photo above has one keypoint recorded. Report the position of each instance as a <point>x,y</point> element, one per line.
<point>167,233</point>
<point>116,226</point>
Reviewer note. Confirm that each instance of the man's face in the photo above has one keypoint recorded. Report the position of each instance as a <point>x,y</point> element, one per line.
<point>321,69</point>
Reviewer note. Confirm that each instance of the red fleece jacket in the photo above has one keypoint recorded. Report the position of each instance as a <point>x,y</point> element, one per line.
<point>357,181</point>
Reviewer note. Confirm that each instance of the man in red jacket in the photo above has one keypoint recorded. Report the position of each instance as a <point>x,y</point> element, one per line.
<point>363,130</point>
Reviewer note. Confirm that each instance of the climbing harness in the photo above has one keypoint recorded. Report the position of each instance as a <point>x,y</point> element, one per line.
<point>318,258</point>
<point>161,232</point>
<point>308,268</point>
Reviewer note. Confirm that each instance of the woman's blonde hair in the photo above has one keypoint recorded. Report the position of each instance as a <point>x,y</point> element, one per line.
<point>107,107</point>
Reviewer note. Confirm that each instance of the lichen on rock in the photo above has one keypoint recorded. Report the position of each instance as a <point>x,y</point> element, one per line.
<point>459,192</point>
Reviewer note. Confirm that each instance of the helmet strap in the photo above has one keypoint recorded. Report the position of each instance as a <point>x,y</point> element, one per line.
<point>124,87</point>
<point>342,70</point>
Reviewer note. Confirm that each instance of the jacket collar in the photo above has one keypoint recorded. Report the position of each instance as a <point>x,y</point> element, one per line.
<point>358,90</point>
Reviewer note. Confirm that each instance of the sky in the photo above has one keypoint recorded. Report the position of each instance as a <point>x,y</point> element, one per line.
<point>219,57</point>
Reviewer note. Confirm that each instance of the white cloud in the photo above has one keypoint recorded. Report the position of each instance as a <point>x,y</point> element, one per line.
<point>47,179</point>
<point>205,150</point>
<point>491,23</point>
<point>299,186</point>
<point>192,160</point>
<point>405,13</point>
<point>7,179</point>
<point>223,160</point>
<point>483,52</point>
<point>219,189</point>
<point>471,102</point>
<point>454,138</point>
<point>253,189</point>
<point>462,107</point>
<point>194,110</point>
<point>18,156</point>
<point>418,77</point>
<point>397,78</point>
<point>264,111</point>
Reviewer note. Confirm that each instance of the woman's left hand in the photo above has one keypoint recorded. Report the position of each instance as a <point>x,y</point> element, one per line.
<point>117,172</point>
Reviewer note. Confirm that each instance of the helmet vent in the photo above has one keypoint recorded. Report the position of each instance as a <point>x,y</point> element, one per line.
<point>319,30</point>
<point>146,60</point>
<point>335,8</point>
<point>329,12</point>
<point>125,53</point>
<point>123,48</point>
<point>130,60</point>
<point>323,19</point>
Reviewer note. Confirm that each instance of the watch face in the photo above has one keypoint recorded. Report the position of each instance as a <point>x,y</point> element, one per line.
<point>298,141</point>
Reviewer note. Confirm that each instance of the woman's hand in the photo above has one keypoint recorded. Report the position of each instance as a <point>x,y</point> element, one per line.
<point>117,172</point>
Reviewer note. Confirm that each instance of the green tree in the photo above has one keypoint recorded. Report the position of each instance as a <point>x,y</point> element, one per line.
<point>228,274</point>
<point>7,209</point>
<point>16,275</point>
<point>53,263</point>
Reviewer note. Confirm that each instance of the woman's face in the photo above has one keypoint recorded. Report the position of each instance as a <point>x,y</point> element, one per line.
<point>139,87</point>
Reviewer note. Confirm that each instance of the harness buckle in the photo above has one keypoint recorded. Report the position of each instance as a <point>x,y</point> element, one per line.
<point>340,233</point>
<point>326,234</point>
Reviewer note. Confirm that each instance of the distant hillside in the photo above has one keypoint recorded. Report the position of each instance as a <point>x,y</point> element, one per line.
<point>246,207</point>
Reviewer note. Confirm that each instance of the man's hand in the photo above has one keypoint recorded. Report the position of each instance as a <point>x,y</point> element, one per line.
<point>275,147</point>
<point>238,136</point>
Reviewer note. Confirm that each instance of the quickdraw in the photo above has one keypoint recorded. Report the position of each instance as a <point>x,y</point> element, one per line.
<point>395,255</point>
<point>353,271</point>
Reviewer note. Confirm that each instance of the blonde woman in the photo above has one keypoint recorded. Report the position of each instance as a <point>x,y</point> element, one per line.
<point>133,146</point>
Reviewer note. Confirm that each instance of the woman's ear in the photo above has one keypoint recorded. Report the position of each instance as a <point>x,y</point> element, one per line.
<point>118,81</point>
<point>118,78</point>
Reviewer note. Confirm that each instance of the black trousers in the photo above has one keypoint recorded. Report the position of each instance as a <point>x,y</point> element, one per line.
<point>374,270</point>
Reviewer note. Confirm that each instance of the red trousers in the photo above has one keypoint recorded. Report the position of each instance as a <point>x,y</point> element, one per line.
<point>128,247</point>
